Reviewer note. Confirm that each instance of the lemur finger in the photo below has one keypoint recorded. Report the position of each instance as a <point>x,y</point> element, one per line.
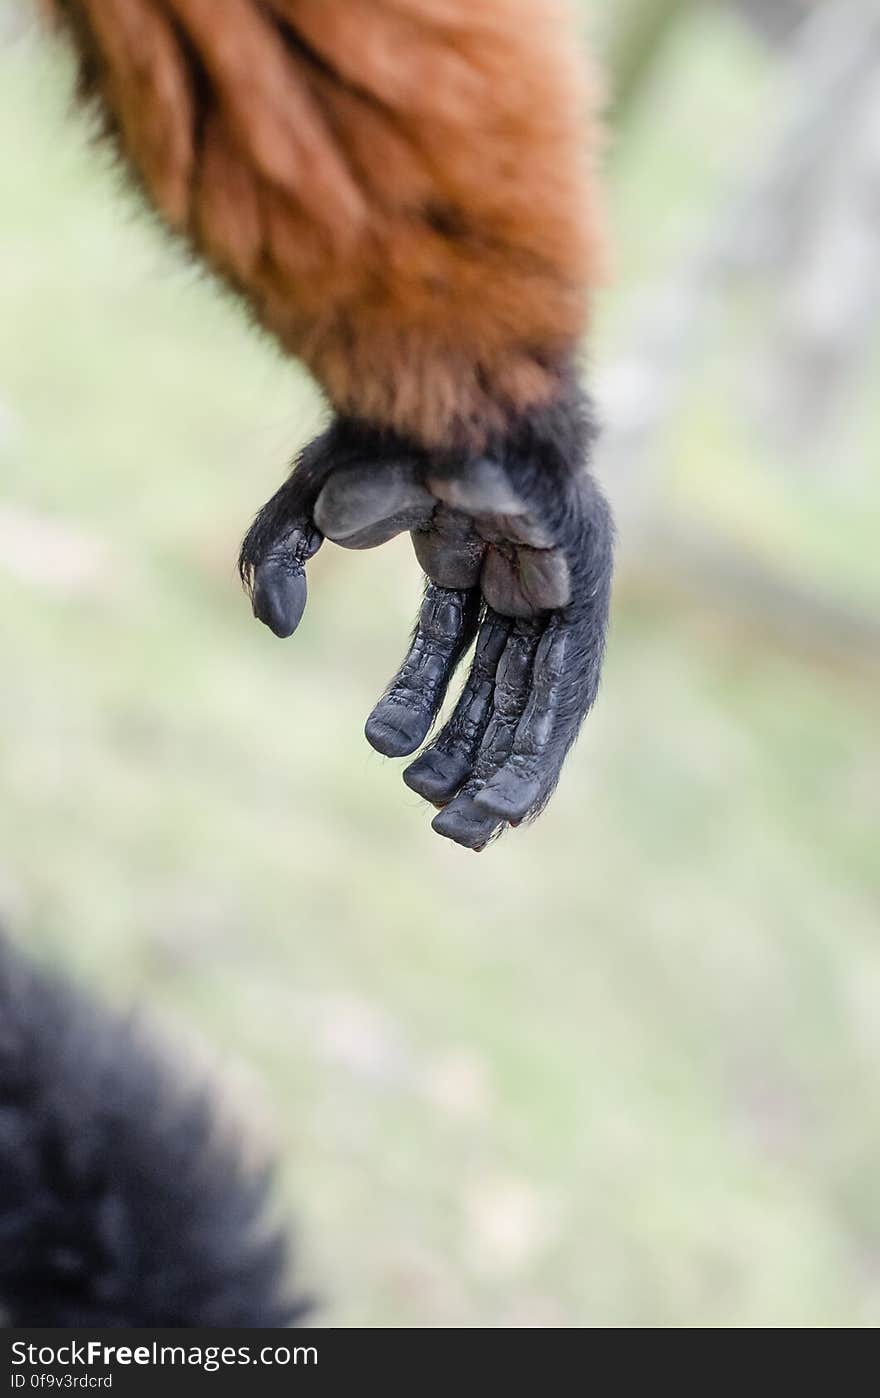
<point>565,679</point>
<point>278,583</point>
<point>446,626</point>
<point>365,505</point>
<point>548,724</point>
<point>445,765</point>
<point>463,820</point>
<point>283,538</point>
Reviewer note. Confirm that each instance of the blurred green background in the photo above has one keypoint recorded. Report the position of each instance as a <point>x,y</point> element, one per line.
<point>623,1069</point>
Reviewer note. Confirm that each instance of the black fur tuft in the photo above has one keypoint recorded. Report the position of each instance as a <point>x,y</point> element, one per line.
<point>120,1202</point>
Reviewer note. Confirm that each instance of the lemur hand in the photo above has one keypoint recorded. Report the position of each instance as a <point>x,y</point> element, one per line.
<point>517,548</point>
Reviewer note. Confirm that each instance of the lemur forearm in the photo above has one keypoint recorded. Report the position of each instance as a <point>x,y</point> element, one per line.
<point>402,191</point>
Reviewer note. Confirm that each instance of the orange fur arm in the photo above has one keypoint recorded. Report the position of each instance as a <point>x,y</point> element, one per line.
<point>401,189</point>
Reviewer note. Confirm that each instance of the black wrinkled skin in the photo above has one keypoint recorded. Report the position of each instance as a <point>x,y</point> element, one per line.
<point>120,1203</point>
<point>517,546</point>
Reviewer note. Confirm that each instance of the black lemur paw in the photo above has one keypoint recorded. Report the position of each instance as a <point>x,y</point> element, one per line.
<point>517,547</point>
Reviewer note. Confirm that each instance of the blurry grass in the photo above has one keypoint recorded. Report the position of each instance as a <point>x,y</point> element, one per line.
<point>620,1070</point>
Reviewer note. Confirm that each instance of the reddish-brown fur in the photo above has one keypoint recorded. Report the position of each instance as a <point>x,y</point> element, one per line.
<point>402,189</point>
